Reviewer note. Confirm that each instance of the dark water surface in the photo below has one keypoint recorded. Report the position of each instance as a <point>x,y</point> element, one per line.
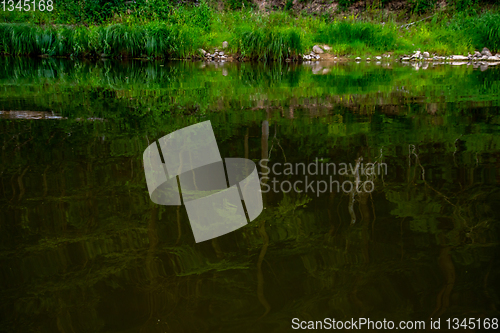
<point>83,248</point>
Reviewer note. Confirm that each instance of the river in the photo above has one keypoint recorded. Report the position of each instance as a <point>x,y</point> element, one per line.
<point>84,249</point>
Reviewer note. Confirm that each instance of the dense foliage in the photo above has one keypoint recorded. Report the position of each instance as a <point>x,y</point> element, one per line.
<point>159,28</point>
<point>277,35</point>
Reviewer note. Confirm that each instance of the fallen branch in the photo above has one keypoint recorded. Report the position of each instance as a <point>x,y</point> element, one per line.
<point>407,25</point>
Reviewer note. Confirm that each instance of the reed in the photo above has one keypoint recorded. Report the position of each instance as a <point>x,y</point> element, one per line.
<point>154,39</point>
<point>483,30</point>
<point>268,44</point>
<point>122,40</point>
<point>76,42</point>
<point>24,39</point>
<point>159,40</point>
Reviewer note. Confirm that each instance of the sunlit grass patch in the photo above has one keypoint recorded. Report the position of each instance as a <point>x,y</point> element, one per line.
<point>350,32</point>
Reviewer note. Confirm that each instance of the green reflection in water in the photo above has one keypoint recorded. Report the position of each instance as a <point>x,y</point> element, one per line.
<point>83,249</point>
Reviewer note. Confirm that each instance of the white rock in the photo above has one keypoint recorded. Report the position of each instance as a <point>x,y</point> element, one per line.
<point>493,58</point>
<point>426,54</point>
<point>357,59</point>
<point>202,51</point>
<point>486,52</point>
<point>225,44</point>
<point>326,47</point>
<point>367,59</point>
<point>317,49</point>
<point>459,57</point>
<point>221,53</point>
<point>378,57</point>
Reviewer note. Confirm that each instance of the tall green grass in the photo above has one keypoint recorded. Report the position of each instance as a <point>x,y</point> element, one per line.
<point>462,33</point>
<point>483,30</point>
<point>26,39</point>
<point>268,44</point>
<point>118,40</point>
<point>76,42</point>
<point>350,35</point>
<point>459,34</point>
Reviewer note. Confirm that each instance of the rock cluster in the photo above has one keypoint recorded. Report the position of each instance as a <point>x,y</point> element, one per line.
<point>317,49</point>
<point>484,55</point>
<point>314,55</point>
<point>215,56</point>
<point>311,57</point>
<point>378,58</point>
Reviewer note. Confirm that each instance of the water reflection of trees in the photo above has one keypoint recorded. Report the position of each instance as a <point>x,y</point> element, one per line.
<point>83,249</point>
<point>141,92</point>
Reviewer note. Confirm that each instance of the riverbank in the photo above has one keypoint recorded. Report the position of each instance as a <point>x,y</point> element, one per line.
<point>253,35</point>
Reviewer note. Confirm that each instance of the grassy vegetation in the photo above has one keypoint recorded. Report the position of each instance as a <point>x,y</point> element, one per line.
<point>155,39</point>
<point>158,29</point>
